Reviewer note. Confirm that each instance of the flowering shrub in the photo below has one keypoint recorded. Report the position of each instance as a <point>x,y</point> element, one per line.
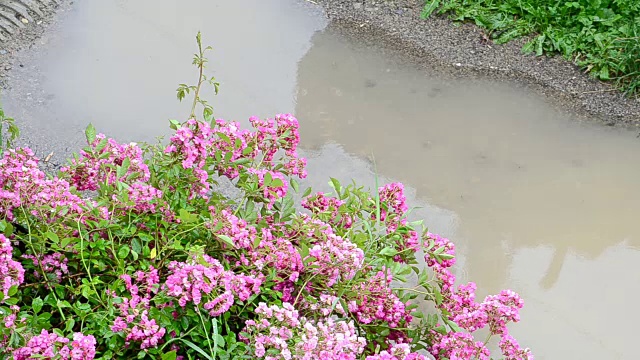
<point>128,252</point>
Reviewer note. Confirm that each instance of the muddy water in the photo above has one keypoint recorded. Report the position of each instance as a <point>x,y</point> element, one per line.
<point>536,201</point>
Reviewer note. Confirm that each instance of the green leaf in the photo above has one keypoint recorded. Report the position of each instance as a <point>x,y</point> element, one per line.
<point>196,348</point>
<point>277,183</point>
<point>63,304</point>
<point>307,192</point>
<point>452,325</point>
<point>248,150</point>
<point>90,133</point>
<point>388,251</point>
<point>8,230</point>
<point>36,305</point>
<point>227,240</point>
<point>186,216</point>
<point>174,124</point>
<point>171,355</point>
<point>101,145</point>
<point>429,8</point>
<point>335,184</point>
<point>441,329</point>
<point>153,253</point>
<point>224,137</point>
<point>303,250</point>
<point>136,246</point>
<point>437,295</point>
<point>13,290</point>
<point>122,170</point>
<point>242,161</point>
<point>65,242</point>
<point>11,301</point>
<point>52,236</point>
<point>294,185</point>
<point>539,43</point>
<point>123,252</point>
<point>267,179</point>
<point>70,324</point>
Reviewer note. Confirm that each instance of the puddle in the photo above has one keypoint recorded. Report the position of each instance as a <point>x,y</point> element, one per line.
<point>535,202</point>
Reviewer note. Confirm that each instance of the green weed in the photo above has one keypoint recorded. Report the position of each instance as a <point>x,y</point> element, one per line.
<point>601,36</point>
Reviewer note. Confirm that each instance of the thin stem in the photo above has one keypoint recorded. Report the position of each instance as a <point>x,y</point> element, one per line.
<point>302,289</point>
<point>485,343</point>
<point>201,70</point>
<point>206,333</point>
<point>44,273</point>
<point>84,263</point>
<point>176,338</point>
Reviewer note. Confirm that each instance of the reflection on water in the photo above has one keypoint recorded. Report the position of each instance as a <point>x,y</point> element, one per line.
<point>521,178</point>
<point>534,201</point>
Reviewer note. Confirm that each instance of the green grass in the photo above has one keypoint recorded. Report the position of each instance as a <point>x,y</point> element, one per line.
<point>600,36</point>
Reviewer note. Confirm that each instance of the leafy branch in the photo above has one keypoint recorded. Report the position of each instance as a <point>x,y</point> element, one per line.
<point>200,61</point>
<point>11,128</point>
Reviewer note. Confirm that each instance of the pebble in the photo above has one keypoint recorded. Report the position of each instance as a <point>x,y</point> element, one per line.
<point>357,6</point>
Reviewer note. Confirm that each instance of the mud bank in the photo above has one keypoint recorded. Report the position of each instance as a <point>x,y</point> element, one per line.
<point>462,50</point>
<point>21,25</point>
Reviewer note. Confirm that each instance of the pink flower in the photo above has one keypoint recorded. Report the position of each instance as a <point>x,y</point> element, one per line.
<point>50,345</point>
<point>11,271</point>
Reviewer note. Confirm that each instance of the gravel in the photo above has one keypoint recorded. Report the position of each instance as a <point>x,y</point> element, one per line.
<point>463,50</point>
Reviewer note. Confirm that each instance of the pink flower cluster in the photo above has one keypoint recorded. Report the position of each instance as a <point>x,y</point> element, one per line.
<point>376,301</point>
<point>145,197</point>
<point>392,196</point>
<point>193,142</point>
<point>11,271</point>
<point>189,282</point>
<point>50,345</point>
<point>495,312</point>
<point>393,214</point>
<point>397,352</point>
<point>134,320</point>
<point>235,228</point>
<point>295,337</point>
<point>334,258</point>
<point>236,150</point>
<point>10,319</point>
<point>23,184</point>
<point>280,133</point>
<point>95,167</point>
<point>449,248</point>
<point>512,350</point>
<point>458,345</point>
<point>55,264</point>
<point>278,253</point>
<point>324,304</point>
<point>320,204</point>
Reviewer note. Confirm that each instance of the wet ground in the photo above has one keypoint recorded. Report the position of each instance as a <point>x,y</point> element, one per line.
<point>536,200</point>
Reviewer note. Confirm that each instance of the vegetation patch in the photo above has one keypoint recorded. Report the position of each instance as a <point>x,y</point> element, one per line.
<point>600,36</point>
